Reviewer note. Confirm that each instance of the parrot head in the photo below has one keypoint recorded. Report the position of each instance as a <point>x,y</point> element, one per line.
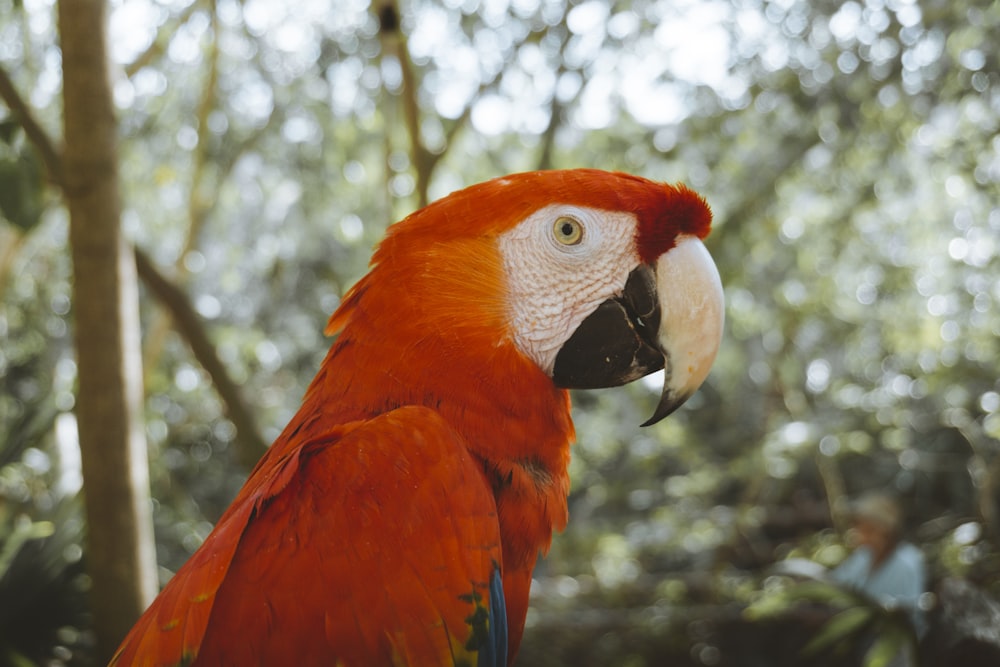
<point>598,278</point>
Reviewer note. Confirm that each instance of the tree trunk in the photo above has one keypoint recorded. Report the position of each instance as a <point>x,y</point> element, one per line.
<point>120,551</point>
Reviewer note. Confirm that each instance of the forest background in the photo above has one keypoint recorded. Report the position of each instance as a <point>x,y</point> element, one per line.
<point>850,152</point>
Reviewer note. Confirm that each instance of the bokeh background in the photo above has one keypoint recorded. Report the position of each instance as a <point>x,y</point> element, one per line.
<point>849,150</point>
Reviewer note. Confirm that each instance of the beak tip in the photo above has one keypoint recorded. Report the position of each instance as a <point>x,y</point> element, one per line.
<point>669,402</point>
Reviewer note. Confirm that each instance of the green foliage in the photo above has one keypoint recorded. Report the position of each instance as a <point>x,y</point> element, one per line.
<point>21,178</point>
<point>782,598</point>
<point>44,617</point>
<point>852,620</point>
<point>849,153</point>
<point>23,529</point>
<point>844,627</point>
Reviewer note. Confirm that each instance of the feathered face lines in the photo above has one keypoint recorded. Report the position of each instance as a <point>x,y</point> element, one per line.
<point>560,264</point>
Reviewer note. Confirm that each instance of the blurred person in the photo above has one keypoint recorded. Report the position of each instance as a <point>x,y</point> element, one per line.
<point>882,565</point>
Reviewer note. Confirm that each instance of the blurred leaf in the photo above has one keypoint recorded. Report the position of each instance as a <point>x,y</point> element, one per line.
<point>841,629</point>
<point>22,186</point>
<point>12,658</point>
<point>785,598</point>
<point>890,643</point>
<point>9,129</point>
<point>23,529</point>
<point>44,618</point>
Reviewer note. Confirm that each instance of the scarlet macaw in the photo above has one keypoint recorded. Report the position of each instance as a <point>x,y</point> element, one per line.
<point>398,517</point>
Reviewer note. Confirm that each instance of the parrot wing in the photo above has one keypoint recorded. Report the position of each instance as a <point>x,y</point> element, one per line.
<point>380,536</point>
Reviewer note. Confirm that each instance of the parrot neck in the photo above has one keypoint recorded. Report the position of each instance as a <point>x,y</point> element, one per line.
<point>512,417</point>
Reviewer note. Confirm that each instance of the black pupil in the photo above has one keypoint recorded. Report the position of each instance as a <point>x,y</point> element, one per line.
<point>566,229</point>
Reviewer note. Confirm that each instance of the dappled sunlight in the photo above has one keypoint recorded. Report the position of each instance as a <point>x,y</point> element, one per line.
<point>850,156</point>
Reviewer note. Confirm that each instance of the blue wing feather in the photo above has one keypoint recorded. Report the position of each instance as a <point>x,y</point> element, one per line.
<point>494,654</point>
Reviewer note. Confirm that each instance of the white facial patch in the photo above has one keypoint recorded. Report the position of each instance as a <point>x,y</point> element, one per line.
<point>554,284</point>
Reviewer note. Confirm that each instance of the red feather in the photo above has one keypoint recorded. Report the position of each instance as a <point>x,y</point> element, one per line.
<point>368,545</point>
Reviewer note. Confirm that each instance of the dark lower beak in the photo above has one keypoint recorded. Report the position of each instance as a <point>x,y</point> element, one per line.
<point>616,344</point>
<point>667,316</point>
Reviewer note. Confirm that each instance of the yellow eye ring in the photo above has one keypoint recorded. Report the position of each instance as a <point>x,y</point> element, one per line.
<point>567,231</point>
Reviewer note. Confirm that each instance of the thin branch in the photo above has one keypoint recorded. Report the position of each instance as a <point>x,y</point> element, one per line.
<point>37,135</point>
<point>556,108</point>
<point>549,135</point>
<point>11,240</point>
<point>162,40</point>
<point>189,325</point>
<point>198,204</point>
<point>459,123</point>
<point>393,39</point>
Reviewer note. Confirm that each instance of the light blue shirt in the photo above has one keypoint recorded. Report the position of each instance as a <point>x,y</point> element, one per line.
<point>897,583</point>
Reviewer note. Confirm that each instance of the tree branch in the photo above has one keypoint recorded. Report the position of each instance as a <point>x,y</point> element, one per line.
<point>556,108</point>
<point>189,325</point>
<point>159,44</point>
<point>199,205</point>
<point>37,135</point>
<point>459,123</point>
<point>394,40</point>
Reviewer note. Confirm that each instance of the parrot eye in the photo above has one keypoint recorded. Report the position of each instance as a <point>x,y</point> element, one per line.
<point>567,231</point>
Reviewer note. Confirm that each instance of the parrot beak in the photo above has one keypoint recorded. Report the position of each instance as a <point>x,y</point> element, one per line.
<point>669,316</point>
